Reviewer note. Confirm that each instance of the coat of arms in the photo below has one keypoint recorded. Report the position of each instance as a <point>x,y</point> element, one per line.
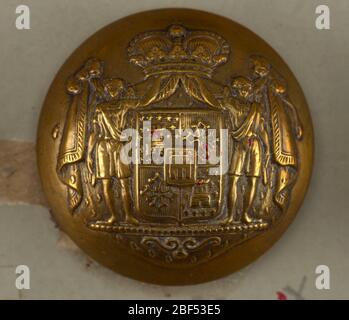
<point>183,206</point>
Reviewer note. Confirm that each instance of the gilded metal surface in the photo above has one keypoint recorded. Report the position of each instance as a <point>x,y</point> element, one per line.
<point>176,221</point>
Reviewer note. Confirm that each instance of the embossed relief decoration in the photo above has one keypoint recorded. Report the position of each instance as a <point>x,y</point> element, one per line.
<point>168,212</point>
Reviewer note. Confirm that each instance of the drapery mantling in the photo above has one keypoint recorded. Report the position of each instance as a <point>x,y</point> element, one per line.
<point>165,86</point>
<point>283,141</point>
<point>73,145</point>
<point>284,145</point>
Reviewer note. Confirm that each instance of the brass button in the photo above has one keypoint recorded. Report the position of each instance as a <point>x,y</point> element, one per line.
<point>175,146</point>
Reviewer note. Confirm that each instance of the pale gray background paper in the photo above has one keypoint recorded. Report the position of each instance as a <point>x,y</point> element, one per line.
<point>319,59</point>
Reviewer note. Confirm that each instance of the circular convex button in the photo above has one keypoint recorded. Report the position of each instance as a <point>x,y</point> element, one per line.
<point>175,146</point>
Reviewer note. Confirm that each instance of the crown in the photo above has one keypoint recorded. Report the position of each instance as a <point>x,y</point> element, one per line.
<point>178,50</point>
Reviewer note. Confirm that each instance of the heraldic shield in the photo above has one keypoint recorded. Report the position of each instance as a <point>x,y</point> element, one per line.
<point>180,190</point>
<point>135,161</point>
